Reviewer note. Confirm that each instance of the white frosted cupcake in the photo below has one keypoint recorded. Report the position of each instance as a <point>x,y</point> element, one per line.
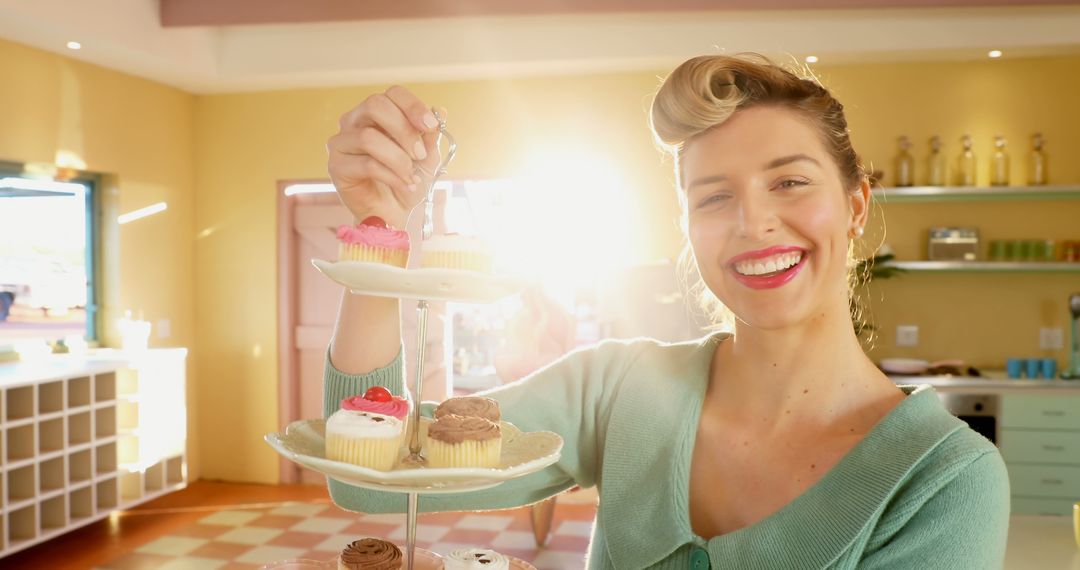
<point>475,559</point>
<point>456,251</point>
<point>364,438</point>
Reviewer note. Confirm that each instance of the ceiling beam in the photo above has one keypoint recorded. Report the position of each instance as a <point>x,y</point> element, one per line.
<point>180,13</point>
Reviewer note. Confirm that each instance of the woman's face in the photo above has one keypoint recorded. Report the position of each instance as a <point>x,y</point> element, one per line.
<point>769,218</point>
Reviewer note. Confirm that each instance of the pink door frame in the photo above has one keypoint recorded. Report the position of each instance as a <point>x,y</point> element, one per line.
<point>288,289</point>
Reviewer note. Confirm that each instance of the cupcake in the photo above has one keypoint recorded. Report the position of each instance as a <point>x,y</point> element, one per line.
<point>378,400</point>
<point>364,438</point>
<point>373,241</point>
<point>463,441</point>
<point>456,251</point>
<point>476,559</point>
<point>476,406</point>
<point>370,554</point>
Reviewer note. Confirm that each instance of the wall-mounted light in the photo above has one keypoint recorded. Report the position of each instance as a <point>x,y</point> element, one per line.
<point>74,45</point>
<point>994,53</point>
<point>141,213</point>
<point>308,188</point>
<point>811,59</point>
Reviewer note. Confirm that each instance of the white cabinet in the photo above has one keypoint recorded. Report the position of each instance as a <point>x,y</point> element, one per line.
<point>80,438</point>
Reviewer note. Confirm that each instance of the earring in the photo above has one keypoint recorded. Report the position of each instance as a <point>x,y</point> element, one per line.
<point>858,231</point>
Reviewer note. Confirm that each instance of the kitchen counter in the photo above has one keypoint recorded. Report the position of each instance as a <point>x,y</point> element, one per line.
<point>1041,542</point>
<point>993,383</point>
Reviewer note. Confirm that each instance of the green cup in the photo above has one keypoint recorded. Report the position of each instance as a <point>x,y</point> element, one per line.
<point>997,250</point>
<point>1012,250</point>
<point>1027,250</point>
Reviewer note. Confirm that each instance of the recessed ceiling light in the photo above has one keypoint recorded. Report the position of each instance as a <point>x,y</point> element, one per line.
<point>994,53</point>
<point>74,45</point>
<point>811,59</point>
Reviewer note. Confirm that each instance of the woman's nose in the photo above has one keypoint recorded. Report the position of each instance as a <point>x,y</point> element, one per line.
<point>756,218</point>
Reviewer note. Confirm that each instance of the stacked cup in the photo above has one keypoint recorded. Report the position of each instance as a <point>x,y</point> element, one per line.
<point>1031,367</point>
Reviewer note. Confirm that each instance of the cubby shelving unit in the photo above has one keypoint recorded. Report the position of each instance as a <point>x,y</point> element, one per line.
<point>83,437</point>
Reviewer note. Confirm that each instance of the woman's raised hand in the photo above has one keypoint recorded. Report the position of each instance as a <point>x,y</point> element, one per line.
<point>373,157</point>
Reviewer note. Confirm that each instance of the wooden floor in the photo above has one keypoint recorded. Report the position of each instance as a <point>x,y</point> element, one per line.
<point>100,542</point>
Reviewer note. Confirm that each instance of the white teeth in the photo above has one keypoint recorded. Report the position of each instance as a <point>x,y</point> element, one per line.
<point>769,265</point>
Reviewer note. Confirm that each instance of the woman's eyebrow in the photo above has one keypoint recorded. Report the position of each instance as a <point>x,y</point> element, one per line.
<point>784,160</point>
<point>706,180</point>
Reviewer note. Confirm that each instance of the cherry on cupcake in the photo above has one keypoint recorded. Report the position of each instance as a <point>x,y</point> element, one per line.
<point>378,394</point>
<point>374,221</point>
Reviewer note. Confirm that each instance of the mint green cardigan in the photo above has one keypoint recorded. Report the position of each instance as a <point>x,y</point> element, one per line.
<point>921,490</point>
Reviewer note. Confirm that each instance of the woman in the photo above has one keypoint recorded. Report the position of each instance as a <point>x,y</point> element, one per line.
<point>778,446</point>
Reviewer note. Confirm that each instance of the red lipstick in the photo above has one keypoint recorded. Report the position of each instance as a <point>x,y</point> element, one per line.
<point>767,281</point>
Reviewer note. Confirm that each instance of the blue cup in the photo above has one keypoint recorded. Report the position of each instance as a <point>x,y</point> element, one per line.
<point>1049,368</point>
<point>1032,366</point>
<point>1013,366</point>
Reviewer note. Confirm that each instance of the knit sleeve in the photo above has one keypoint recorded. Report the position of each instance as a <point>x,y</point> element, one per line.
<point>964,525</point>
<point>569,397</point>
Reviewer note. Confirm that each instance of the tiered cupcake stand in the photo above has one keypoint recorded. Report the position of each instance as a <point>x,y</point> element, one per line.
<point>522,453</point>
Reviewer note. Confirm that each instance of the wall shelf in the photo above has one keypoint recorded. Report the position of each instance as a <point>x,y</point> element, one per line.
<point>914,194</point>
<point>60,465</point>
<point>986,266</point>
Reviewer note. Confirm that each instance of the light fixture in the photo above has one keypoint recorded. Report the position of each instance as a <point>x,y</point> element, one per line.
<point>141,213</point>
<point>308,188</point>
<point>994,53</point>
<point>811,59</point>
<point>74,45</point>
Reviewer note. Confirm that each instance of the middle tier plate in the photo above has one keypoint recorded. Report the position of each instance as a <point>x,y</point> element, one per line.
<point>456,285</point>
<point>523,453</point>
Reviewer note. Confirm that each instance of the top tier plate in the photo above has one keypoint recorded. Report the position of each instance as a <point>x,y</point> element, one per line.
<point>456,285</point>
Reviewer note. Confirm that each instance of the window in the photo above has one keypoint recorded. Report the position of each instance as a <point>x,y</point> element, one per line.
<point>47,244</point>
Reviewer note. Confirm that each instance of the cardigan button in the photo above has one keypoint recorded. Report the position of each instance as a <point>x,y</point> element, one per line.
<point>699,559</point>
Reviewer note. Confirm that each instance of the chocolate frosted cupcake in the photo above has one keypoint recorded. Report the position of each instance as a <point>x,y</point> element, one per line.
<point>463,441</point>
<point>370,554</point>
<point>470,406</point>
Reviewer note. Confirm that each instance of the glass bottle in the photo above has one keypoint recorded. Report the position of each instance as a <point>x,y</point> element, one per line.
<point>905,164</point>
<point>999,164</point>
<point>935,165</point>
<point>1037,161</point>
<point>965,171</point>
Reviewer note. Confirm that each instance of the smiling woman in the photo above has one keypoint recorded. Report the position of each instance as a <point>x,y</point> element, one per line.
<point>774,444</point>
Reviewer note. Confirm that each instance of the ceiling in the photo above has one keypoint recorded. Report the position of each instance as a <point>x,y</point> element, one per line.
<point>208,46</point>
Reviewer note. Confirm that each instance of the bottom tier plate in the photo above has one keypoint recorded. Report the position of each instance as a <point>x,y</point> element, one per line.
<point>425,560</point>
<point>523,453</point>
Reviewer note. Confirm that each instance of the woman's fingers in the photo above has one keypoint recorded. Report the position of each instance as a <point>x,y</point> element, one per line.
<point>363,169</point>
<point>371,142</point>
<point>434,154</point>
<point>399,114</point>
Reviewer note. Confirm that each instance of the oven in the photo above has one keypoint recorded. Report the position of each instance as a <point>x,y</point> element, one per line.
<point>980,411</point>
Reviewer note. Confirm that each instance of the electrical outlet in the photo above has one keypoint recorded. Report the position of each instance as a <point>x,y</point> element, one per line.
<point>1051,338</point>
<point>907,335</point>
<point>164,328</point>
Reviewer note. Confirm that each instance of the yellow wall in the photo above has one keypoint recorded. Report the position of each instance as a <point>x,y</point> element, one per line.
<point>981,318</point>
<point>138,133</point>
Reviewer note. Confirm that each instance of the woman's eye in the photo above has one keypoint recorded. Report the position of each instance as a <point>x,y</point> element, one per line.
<point>714,199</point>
<point>791,183</point>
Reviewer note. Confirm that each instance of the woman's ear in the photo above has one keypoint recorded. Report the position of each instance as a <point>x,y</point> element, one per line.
<point>859,203</point>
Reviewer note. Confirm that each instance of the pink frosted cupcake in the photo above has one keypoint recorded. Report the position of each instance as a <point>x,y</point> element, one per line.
<point>378,400</point>
<point>373,241</point>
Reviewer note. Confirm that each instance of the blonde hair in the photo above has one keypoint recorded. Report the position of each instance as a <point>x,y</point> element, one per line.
<point>706,91</point>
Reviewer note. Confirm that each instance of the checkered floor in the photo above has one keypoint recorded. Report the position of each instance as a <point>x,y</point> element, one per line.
<point>249,537</point>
